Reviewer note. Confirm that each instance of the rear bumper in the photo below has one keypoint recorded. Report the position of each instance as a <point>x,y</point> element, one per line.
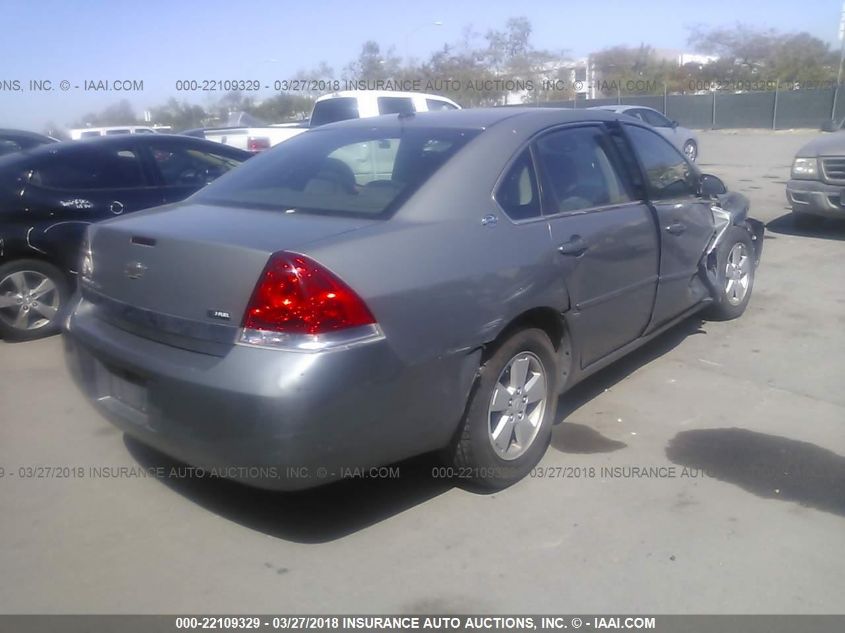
<point>269,418</point>
<point>816,198</point>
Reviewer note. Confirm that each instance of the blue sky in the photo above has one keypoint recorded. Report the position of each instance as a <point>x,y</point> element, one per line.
<point>161,41</point>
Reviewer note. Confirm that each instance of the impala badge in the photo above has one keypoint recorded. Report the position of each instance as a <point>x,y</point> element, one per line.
<point>134,270</point>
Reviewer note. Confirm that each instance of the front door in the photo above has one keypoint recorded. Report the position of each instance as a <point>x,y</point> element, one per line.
<point>606,239</point>
<point>686,222</point>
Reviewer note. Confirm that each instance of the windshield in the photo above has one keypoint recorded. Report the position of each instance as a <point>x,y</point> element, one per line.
<point>347,171</point>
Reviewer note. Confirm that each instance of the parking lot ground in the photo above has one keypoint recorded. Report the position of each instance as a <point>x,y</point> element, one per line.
<point>757,404</point>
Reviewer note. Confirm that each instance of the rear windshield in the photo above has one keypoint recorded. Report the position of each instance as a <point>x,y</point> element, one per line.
<point>361,171</point>
<point>334,110</point>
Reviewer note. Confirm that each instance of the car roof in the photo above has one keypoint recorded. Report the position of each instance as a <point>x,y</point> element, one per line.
<point>25,134</point>
<point>382,93</point>
<point>621,108</point>
<point>117,139</point>
<point>478,118</point>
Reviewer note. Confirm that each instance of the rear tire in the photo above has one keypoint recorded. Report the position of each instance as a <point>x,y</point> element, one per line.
<point>509,417</point>
<point>735,267</point>
<point>33,295</point>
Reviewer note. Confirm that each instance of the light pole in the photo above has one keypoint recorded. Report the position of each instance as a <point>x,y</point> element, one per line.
<point>841,59</point>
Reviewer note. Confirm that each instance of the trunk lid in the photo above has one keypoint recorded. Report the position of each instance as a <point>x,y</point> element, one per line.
<point>184,275</point>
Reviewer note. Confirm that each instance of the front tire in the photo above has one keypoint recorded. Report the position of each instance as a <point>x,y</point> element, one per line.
<point>33,295</point>
<point>735,267</point>
<point>508,421</point>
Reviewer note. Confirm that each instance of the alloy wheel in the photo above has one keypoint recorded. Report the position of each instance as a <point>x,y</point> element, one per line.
<point>737,273</point>
<point>29,300</point>
<point>517,406</point>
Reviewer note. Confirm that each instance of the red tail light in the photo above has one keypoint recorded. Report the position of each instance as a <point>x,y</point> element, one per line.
<point>257,143</point>
<point>295,295</point>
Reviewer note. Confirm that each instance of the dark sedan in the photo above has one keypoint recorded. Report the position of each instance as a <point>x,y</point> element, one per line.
<point>381,288</point>
<point>16,140</point>
<point>50,194</point>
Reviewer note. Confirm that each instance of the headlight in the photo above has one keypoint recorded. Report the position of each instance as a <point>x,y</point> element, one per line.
<point>805,168</point>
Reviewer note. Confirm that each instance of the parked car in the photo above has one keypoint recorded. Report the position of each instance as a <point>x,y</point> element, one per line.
<point>339,106</point>
<point>818,179</point>
<point>298,320</point>
<point>77,134</point>
<point>50,194</point>
<point>684,139</point>
<point>15,140</point>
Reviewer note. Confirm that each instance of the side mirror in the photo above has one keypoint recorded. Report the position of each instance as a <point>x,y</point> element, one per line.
<point>674,124</point>
<point>829,126</point>
<point>710,186</point>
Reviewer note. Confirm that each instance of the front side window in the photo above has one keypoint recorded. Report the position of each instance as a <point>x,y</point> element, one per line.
<point>188,166</point>
<point>577,170</point>
<point>360,171</point>
<point>91,169</point>
<point>668,174</point>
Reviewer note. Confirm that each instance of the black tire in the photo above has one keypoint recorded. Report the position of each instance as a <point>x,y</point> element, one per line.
<point>472,455</point>
<point>692,146</point>
<point>726,306</point>
<point>805,220</point>
<point>41,324</point>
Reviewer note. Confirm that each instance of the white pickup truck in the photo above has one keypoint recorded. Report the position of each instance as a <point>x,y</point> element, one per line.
<point>338,106</point>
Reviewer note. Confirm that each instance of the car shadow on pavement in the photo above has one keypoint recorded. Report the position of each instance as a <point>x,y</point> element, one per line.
<point>768,466</point>
<point>569,437</point>
<point>318,515</point>
<point>829,229</point>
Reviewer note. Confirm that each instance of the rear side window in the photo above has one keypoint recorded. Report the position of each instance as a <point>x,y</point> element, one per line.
<point>518,193</point>
<point>346,171</point>
<point>8,146</point>
<point>668,174</point>
<point>88,169</point>
<point>333,110</point>
<point>655,118</point>
<point>577,169</point>
<point>434,105</point>
<point>113,132</point>
<point>395,105</point>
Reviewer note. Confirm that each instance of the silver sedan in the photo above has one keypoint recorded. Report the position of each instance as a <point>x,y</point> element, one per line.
<point>683,138</point>
<point>381,288</point>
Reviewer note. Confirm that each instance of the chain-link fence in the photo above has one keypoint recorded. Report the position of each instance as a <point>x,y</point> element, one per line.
<point>775,110</point>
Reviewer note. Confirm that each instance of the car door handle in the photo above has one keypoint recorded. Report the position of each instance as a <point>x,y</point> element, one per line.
<point>575,246</point>
<point>676,228</point>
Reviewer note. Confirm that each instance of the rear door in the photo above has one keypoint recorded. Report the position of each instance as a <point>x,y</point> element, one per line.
<point>182,167</point>
<point>82,185</point>
<point>686,221</point>
<point>606,238</point>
